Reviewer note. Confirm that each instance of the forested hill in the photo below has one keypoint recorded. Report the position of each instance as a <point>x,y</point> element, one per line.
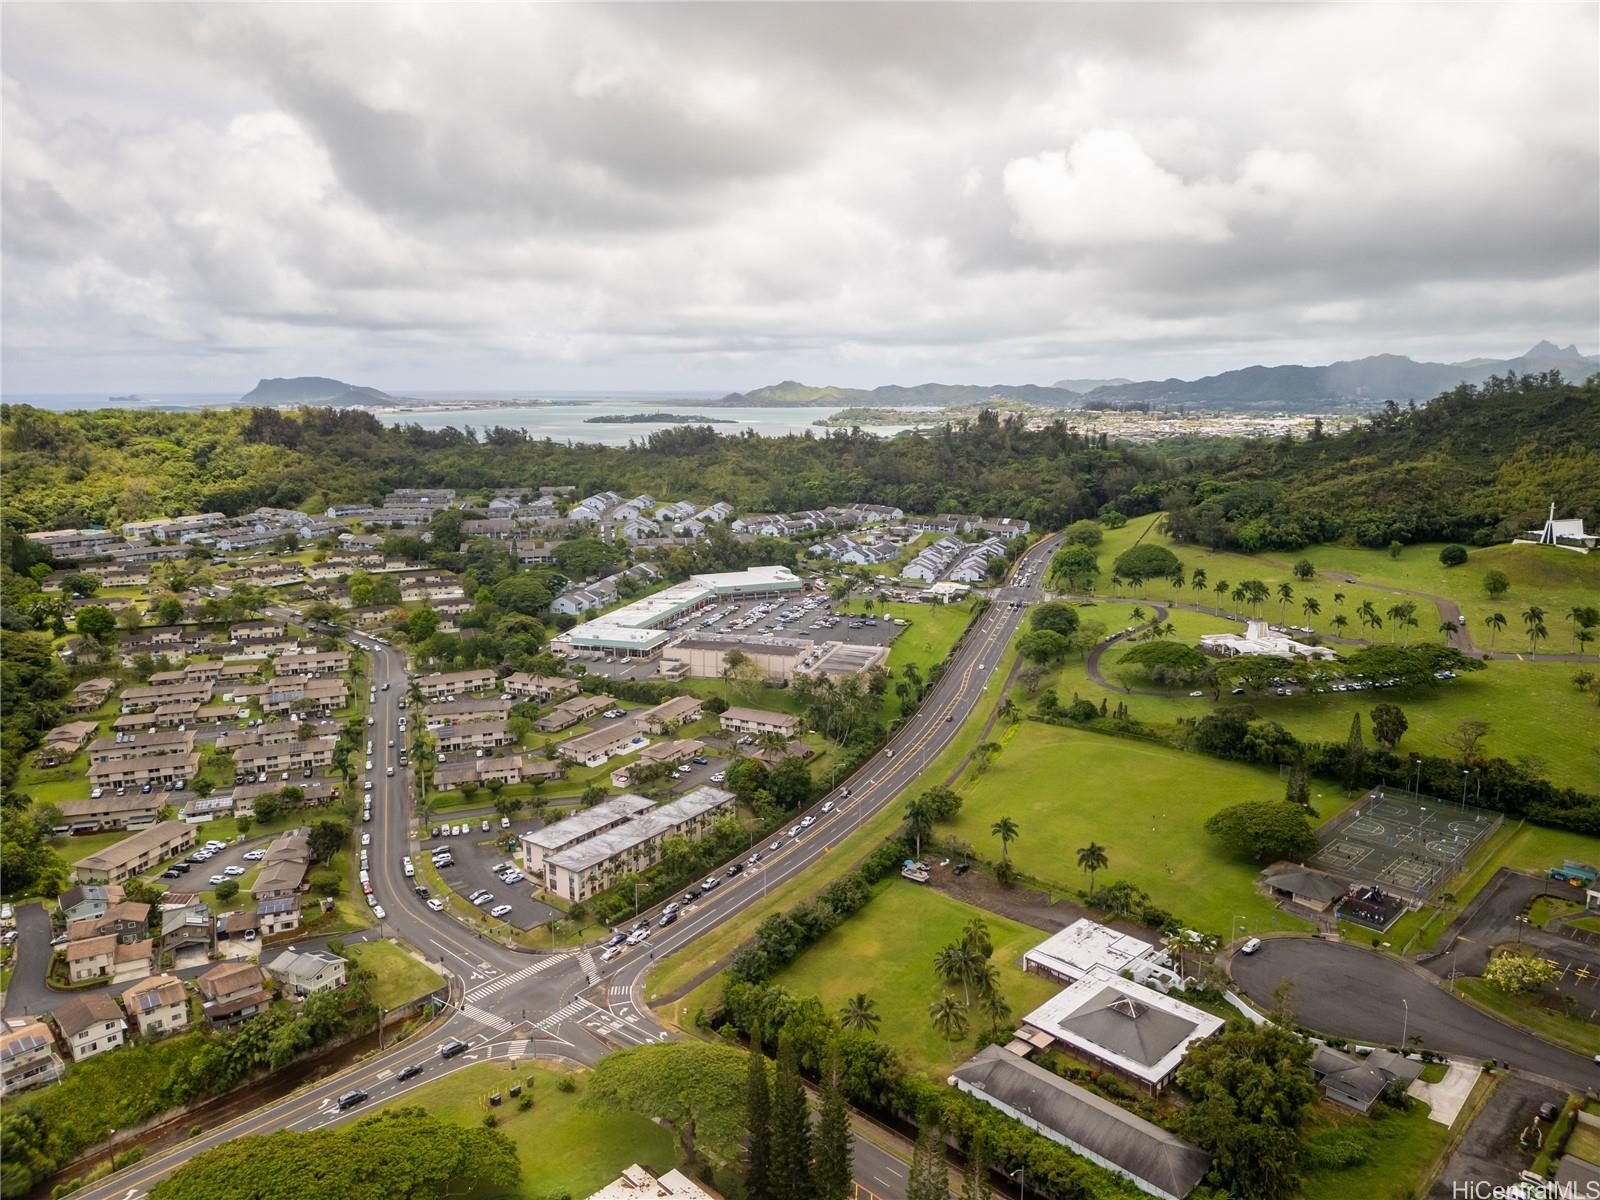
<point>107,466</point>
<point>1474,465</point>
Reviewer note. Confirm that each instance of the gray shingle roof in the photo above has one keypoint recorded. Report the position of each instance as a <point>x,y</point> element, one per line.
<point>1128,1026</point>
<point>1084,1121</point>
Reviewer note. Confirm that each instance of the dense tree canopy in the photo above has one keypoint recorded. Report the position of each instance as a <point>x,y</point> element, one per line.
<point>1264,830</point>
<point>696,1089</point>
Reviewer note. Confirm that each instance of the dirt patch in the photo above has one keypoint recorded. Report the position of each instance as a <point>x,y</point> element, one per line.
<point>979,889</point>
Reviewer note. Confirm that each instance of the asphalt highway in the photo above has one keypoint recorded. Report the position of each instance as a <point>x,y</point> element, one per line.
<point>567,1006</point>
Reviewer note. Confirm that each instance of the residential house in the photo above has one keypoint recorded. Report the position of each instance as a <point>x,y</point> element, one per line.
<point>126,920</point>
<point>569,712</point>
<point>87,900</point>
<point>453,683</point>
<point>91,958</point>
<point>1358,1083</point>
<point>593,749</point>
<point>669,714</point>
<point>540,688</point>
<point>90,695</point>
<point>62,742</point>
<point>280,914</point>
<point>232,992</point>
<point>455,712</point>
<point>302,973</point>
<point>90,1024</point>
<point>157,1005</point>
<point>472,735</point>
<point>28,1057</point>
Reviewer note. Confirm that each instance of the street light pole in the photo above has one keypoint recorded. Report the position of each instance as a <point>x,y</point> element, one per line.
<point>1021,1175</point>
<point>1405,1024</point>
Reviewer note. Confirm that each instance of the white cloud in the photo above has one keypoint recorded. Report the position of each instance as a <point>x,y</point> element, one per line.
<point>1106,191</point>
<point>720,195</point>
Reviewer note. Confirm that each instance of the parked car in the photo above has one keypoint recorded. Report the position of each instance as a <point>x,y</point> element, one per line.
<point>436,905</point>
<point>500,910</point>
<point>1251,946</point>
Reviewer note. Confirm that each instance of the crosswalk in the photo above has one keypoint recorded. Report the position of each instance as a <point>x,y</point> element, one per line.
<point>516,977</point>
<point>561,1014</point>
<point>586,961</point>
<point>498,1024</point>
<point>518,1049</point>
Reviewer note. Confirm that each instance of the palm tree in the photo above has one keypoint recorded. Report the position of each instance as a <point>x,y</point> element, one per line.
<point>1339,622</point>
<point>1536,634</point>
<point>1448,628</point>
<point>949,1017</point>
<point>1138,613</point>
<point>1338,599</point>
<point>1009,711</point>
<point>1198,580</point>
<point>1581,619</point>
<point>1496,622</point>
<point>954,965</point>
<point>1092,858</point>
<point>993,1003</point>
<point>1581,639</point>
<point>1285,594</point>
<point>1532,615</point>
<point>975,935</point>
<point>1368,615</point>
<point>1311,606</point>
<point>1221,590</point>
<point>1395,613</point>
<point>1239,595</point>
<point>860,1014</point>
<point>1177,581</point>
<point>1006,830</point>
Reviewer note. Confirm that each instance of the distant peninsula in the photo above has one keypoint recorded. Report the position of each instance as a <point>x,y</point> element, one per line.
<point>790,394</point>
<point>657,418</point>
<point>313,389</point>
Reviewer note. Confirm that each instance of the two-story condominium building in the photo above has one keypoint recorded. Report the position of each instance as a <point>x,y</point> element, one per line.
<point>161,770</point>
<point>536,847</point>
<point>158,1005</point>
<point>569,712</point>
<point>541,688</point>
<point>141,745</point>
<point>28,1057</point>
<point>758,721</point>
<point>284,756</point>
<point>136,854</point>
<point>302,973</point>
<point>472,735</point>
<point>455,683</point>
<point>312,662</point>
<point>512,768</point>
<point>90,695</point>
<point>232,992</point>
<point>74,544</point>
<point>670,714</point>
<point>138,698</point>
<point>90,1024</point>
<point>581,871</point>
<point>302,695</point>
<point>593,749</point>
<point>455,712</point>
<point>132,811</point>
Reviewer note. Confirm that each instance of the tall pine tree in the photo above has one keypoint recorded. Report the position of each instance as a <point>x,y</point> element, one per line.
<point>975,1183</point>
<point>831,1149</point>
<point>790,1170</point>
<point>929,1178</point>
<point>1355,755</point>
<point>758,1106</point>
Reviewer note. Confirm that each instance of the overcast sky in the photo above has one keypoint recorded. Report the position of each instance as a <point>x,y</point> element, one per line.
<point>721,196</point>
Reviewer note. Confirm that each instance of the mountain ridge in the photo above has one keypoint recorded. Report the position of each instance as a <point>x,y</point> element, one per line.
<point>312,389</point>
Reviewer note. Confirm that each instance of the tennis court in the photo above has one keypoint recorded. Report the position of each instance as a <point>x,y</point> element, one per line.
<point>1403,842</point>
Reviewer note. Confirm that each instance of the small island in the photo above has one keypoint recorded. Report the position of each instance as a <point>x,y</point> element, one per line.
<point>656,418</point>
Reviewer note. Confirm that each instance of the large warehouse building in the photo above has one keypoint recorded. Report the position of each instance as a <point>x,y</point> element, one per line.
<point>641,629</point>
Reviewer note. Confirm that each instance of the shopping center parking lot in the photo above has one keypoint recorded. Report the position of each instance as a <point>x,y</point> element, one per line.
<point>473,858</point>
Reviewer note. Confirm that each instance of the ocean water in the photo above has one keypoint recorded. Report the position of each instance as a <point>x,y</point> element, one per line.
<point>557,415</point>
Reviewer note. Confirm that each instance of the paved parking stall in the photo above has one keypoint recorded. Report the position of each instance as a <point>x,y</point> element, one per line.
<point>474,856</point>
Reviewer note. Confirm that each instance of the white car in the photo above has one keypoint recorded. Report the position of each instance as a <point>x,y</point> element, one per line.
<point>794,831</point>
<point>436,905</point>
<point>213,844</point>
<point>254,855</point>
<point>807,821</point>
<point>377,911</point>
<point>369,720</point>
<point>366,786</point>
<point>366,839</point>
<point>612,952</point>
<point>216,879</point>
<point>718,776</point>
<point>390,771</point>
<point>637,936</point>
<point>233,872</point>
<point>97,793</point>
<point>482,898</point>
<point>505,822</point>
<point>500,910</point>
<point>369,764</point>
<point>486,827</point>
<point>512,876</point>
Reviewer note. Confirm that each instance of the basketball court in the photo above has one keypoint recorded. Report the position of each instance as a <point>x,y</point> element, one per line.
<point>1403,842</point>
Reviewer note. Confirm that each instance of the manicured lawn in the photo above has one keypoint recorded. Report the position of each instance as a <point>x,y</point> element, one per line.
<point>398,976</point>
<point>564,1149</point>
<point>1528,848</point>
<point>933,629</point>
<point>1400,1148</point>
<point>1145,804</point>
<point>1575,1033</point>
<point>886,950</point>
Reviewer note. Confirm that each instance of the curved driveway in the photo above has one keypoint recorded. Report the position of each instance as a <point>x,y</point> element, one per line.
<point>1348,992</point>
<point>559,1005</point>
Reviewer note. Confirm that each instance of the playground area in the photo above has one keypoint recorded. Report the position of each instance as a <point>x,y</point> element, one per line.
<point>1405,844</point>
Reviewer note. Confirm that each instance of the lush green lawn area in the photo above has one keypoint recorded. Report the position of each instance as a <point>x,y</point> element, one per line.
<point>564,1149</point>
<point>1575,1033</point>
<point>1146,804</point>
<point>1584,1143</point>
<point>886,950</point>
<point>1399,1148</point>
<point>398,976</point>
<point>1532,708</point>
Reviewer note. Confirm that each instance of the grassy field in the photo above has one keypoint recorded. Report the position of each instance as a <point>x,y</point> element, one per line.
<point>1399,1148</point>
<point>886,950</point>
<point>1146,804</point>
<point>1575,1033</point>
<point>932,630</point>
<point>564,1150</point>
<point>397,976</point>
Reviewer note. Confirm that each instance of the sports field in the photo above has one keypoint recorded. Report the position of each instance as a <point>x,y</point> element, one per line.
<point>1146,804</point>
<point>1404,843</point>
